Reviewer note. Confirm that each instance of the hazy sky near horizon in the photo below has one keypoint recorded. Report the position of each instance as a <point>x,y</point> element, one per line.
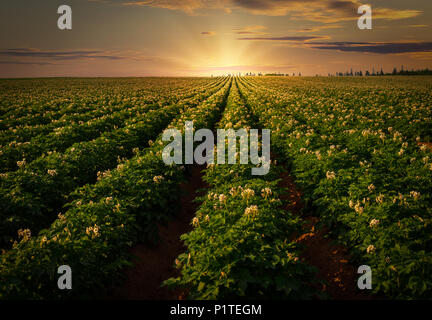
<point>204,37</point>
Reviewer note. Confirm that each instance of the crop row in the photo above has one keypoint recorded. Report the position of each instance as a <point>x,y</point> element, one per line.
<point>64,136</point>
<point>370,184</point>
<point>366,103</point>
<point>105,218</point>
<point>32,196</point>
<point>21,134</point>
<point>242,243</point>
<point>26,103</point>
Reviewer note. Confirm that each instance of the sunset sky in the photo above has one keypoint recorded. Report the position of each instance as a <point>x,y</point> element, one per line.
<point>211,37</point>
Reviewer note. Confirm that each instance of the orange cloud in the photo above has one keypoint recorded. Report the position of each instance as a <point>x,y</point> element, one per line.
<point>425,56</point>
<point>319,28</point>
<point>251,30</point>
<point>287,38</point>
<point>412,47</point>
<point>188,6</point>
<point>327,11</point>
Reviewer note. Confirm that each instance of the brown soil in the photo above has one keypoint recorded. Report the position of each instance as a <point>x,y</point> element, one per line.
<point>331,260</point>
<point>156,264</point>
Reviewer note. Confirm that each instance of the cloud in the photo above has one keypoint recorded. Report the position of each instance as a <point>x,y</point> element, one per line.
<point>422,55</point>
<point>59,55</point>
<point>87,62</point>
<point>319,28</point>
<point>375,47</point>
<point>420,49</point>
<point>208,33</point>
<point>314,10</point>
<point>393,14</point>
<point>187,6</point>
<point>287,38</point>
<point>251,30</point>
<point>26,63</point>
<point>31,56</point>
<point>319,10</point>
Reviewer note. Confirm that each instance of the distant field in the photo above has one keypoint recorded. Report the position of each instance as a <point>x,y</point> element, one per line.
<point>82,181</point>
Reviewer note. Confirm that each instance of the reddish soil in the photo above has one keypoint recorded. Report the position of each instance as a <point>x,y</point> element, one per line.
<point>156,264</point>
<point>331,260</point>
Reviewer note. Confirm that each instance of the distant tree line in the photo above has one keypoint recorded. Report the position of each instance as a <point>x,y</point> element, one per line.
<point>395,72</point>
<point>351,73</point>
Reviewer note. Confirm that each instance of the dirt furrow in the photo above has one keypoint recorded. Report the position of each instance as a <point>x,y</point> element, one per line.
<point>154,264</point>
<point>332,261</point>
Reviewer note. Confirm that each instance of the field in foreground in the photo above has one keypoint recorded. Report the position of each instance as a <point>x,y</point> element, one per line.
<point>82,183</point>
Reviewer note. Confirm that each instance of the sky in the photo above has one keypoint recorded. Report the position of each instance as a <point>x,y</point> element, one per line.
<point>120,38</point>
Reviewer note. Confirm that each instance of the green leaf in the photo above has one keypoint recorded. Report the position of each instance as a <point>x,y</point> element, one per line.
<point>201,286</point>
